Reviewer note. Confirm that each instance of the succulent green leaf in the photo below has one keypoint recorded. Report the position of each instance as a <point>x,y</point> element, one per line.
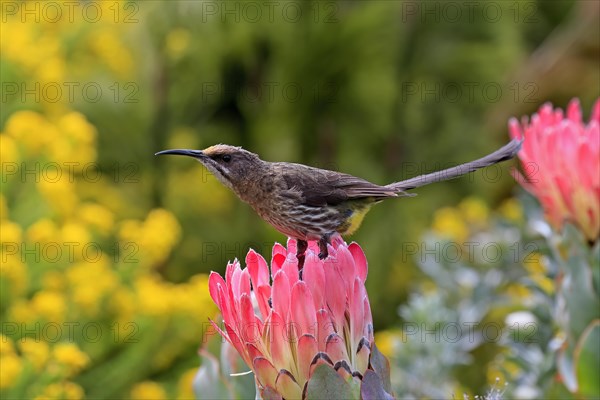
<point>325,383</point>
<point>581,298</point>
<point>595,262</point>
<point>208,383</point>
<point>381,366</point>
<point>587,361</point>
<point>372,387</point>
<point>214,380</point>
<point>565,368</point>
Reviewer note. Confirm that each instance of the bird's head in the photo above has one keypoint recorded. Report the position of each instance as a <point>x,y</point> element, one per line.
<point>230,164</point>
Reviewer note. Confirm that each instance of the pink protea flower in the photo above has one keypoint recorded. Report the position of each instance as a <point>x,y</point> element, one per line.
<point>285,323</point>
<point>561,162</point>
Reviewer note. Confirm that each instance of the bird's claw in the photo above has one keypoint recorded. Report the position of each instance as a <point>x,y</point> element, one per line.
<point>301,263</point>
<point>301,254</point>
<point>323,253</point>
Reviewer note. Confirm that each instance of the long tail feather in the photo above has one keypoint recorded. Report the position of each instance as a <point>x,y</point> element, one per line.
<point>504,153</point>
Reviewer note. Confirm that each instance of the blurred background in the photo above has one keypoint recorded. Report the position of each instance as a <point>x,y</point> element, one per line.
<point>106,247</point>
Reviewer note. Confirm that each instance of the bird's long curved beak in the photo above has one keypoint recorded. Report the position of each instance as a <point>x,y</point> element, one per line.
<point>183,152</point>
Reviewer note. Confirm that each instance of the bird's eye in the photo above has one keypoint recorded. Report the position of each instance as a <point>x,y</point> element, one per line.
<point>226,157</point>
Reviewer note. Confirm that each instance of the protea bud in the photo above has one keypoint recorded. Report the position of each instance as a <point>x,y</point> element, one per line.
<point>561,162</point>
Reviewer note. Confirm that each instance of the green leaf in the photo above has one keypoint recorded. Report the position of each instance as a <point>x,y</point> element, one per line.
<point>587,361</point>
<point>325,383</point>
<point>381,365</point>
<point>595,263</point>
<point>214,380</point>
<point>564,363</point>
<point>372,387</point>
<point>578,284</point>
<point>208,383</point>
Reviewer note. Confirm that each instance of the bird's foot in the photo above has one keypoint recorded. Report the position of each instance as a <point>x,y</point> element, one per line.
<point>323,242</point>
<point>302,245</point>
<point>300,265</point>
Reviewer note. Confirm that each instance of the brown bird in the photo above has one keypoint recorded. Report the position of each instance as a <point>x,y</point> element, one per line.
<point>309,203</point>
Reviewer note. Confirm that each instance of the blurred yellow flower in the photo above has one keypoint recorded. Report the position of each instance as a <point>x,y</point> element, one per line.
<point>90,282</point>
<point>62,390</point>
<point>17,36</point>
<point>51,392</point>
<point>70,157</point>
<point>177,42</point>
<point>512,210</point>
<point>122,303</point>
<point>6,345</point>
<point>31,130</point>
<point>185,388</point>
<point>74,148</point>
<point>9,153</point>
<point>76,235</point>
<point>192,300</point>
<point>448,222</point>
<point>52,71</point>
<point>535,264</point>
<point>69,142</point>
<point>3,207</point>
<point>53,280</point>
<point>106,195</point>
<point>155,237</point>
<point>42,231</point>
<point>60,194</point>
<point>77,127</point>
<point>389,341</point>
<point>153,295</point>
<point>518,291</point>
<point>10,371</point>
<point>69,355</point>
<point>13,271</point>
<point>497,374</point>
<point>51,305</point>
<point>21,312</point>
<point>148,390</point>
<point>73,391</point>
<point>35,351</point>
<point>543,282</point>
<point>161,233</point>
<point>46,46</point>
<point>130,229</point>
<point>474,210</point>
<point>10,232</point>
<point>97,216</point>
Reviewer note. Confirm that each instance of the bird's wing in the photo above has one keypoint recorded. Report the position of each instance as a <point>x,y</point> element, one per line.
<point>320,187</point>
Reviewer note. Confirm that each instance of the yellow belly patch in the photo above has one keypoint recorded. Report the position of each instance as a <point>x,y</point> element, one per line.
<point>355,220</point>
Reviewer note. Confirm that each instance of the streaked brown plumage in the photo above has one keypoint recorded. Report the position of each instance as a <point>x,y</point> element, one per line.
<point>309,203</point>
